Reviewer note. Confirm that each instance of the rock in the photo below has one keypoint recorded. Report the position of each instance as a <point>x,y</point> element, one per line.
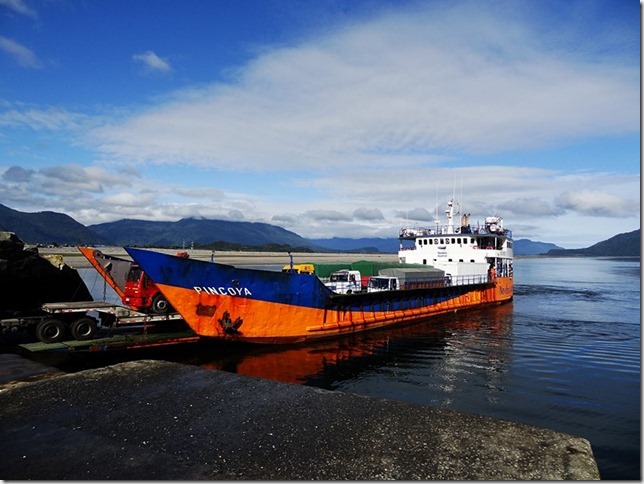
<point>27,280</point>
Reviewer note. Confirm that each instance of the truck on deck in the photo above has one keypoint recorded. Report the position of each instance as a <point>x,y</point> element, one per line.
<point>392,279</point>
<point>345,281</point>
<point>80,320</point>
<point>45,297</point>
<point>128,280</point>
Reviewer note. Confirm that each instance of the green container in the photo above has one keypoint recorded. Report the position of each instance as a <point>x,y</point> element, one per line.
<point>326,269</point>
<point>365,267</point>
<point>373,268</point>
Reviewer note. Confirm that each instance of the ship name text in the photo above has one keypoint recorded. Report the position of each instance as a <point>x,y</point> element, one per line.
<point>223,291</point>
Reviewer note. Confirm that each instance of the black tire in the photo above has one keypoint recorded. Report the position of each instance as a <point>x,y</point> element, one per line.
<point>51,330</point>
<point>160,305</point>
<point>83,329</point>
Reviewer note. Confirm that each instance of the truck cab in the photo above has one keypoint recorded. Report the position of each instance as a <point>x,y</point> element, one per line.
<point>345,281</point>
<point>299,268</point>
<point>383,283</point>
<point>141,294</point>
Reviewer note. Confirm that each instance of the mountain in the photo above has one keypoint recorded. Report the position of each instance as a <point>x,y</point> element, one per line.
<point>622,245</point>
<point>58,228</point>
<point>528,247</point>
<point>187,231</point>
<point>388,246</point>
<point>47,228</point>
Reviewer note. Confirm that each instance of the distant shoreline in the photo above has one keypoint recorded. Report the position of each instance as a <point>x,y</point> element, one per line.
<point>75,259</point>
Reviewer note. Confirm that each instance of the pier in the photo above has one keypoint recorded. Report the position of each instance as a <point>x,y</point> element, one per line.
<point>157,420</point>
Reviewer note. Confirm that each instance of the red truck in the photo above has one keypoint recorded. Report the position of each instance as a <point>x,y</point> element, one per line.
<point>129,281</point>
<point>49,300</point>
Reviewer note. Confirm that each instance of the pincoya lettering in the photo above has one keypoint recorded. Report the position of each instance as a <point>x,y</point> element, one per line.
<point>224,291</point>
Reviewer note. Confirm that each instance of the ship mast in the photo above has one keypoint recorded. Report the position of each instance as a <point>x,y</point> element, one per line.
<point>449,213</point>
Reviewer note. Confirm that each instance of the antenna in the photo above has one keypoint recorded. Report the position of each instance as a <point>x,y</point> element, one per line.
<point>436,221</point>
<point>454,187</point>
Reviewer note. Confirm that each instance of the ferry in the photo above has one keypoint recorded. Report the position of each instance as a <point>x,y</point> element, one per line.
<point>473,264</point>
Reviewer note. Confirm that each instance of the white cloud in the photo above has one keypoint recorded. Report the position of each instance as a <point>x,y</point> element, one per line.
<point>17,174</point>
<point>327,215</point>
<point>530,207</point>
<point>208,193</point>
<point>596,202</point>
<point>84,176</point>
<point>43,119</point>
<point>415,215</point>
<point>366,213</point>
<point>65,188</point>
<point>400,90</point>
<point>24,56</point>
<point>152,62</point>
<point>129,199</point>
<point>359,132</point>
<point>19,6</point>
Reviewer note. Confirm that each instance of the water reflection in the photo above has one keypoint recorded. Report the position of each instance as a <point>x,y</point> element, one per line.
<point>476,342</point>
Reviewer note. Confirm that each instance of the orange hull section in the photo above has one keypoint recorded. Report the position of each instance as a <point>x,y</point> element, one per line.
<point>91,255</point>
<point>213,315</point>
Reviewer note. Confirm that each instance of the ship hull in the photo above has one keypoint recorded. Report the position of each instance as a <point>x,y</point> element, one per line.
<point>225,302</point>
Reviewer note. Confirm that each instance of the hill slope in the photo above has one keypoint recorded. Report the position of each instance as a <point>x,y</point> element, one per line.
<point>390,246</point>
<point>387,246</point>
<point>47,228</point>
<point>529,247</point>
<point>197,231</point>
<point>622,245</point>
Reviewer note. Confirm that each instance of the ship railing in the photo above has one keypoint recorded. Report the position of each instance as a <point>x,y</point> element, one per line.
<point>425,283</point>
<point>414,232</point>
<point>447,280</point>
<point>466,280</point>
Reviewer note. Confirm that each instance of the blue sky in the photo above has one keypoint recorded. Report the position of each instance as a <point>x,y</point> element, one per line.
<point>347,118</point>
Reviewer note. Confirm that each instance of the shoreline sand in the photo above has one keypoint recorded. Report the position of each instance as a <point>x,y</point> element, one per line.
<point>76,260</point>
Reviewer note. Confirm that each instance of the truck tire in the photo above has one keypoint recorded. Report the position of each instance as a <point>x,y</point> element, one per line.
<point>83,329</point>
<point>50,330</point>
<point>160,305</point>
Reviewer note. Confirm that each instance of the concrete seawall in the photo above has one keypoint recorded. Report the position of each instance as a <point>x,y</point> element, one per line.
<point>157,420</point>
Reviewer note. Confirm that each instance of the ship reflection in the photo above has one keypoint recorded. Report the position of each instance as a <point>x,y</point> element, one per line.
<point>441,341</point>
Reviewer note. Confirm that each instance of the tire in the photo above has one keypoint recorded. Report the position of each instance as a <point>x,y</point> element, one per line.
<point>51,330</point>
<point>160,305</point>
<point>83,329</point>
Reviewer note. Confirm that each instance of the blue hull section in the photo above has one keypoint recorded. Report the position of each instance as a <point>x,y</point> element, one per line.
<point>294,289</point>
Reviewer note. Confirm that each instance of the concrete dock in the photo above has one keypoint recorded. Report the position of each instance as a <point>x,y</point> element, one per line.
<point>157,420</point>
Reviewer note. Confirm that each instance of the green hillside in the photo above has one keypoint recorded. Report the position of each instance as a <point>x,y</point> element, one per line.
<point>622,245</point>
<point>47,228</point>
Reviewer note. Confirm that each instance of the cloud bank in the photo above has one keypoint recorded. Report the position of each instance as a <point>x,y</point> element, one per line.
<point>359,129</point>
<point>403,89</point>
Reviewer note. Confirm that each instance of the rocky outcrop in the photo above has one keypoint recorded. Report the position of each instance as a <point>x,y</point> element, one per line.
<point>27,280</point>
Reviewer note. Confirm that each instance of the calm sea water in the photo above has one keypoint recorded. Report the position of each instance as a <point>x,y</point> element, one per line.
<point>564,355</point>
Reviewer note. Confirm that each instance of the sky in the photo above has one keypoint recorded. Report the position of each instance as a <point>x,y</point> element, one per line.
<point>330,118</point>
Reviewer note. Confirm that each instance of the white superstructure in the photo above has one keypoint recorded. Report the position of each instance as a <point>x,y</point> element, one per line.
<point>467,254</point>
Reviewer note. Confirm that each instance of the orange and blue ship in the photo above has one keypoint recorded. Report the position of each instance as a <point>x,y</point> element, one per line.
<point>264,306</point>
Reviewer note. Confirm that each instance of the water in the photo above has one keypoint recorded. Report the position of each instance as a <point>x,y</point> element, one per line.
<point>564,355</point>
